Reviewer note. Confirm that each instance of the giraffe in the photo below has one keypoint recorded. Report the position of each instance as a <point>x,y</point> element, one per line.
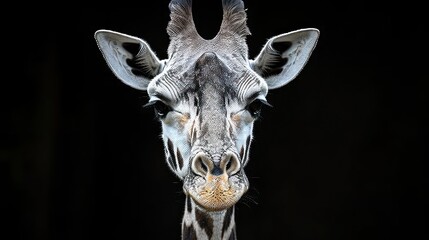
<point>207,95</point>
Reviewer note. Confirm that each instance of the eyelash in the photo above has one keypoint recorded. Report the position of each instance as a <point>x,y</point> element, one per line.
<point>255,107</point>
<point>161,109</point>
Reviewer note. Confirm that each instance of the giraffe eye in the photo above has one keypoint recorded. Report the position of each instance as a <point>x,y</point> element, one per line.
<point>255,107</point>
<point>161,109</point>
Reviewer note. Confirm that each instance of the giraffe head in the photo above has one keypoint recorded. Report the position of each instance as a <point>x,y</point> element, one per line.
<point>208,94</point>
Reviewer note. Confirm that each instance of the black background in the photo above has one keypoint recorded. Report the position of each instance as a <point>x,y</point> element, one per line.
<point>342,155</point>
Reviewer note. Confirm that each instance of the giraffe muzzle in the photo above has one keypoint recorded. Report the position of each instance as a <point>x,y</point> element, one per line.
<point>217,182</point>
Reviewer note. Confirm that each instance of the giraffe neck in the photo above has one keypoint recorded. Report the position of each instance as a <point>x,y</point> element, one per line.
<point>199,224</point>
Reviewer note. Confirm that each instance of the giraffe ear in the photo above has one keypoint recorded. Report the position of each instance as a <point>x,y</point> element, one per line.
<point>284,56</point>
<point>130,58</point>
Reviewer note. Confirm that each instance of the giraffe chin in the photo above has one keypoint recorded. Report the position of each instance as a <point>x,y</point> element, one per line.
<point>217,193</point>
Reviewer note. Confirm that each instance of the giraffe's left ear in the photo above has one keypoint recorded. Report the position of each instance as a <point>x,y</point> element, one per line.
<point>284,56</point>
<point>130,58</point>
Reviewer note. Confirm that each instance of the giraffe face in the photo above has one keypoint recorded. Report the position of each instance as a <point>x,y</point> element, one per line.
<point>208,94</point>
<point>207,124</point>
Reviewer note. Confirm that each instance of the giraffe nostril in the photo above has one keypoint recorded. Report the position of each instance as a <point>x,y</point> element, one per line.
<point>203,166</point>
<point>200,166</point>
<point>229,164</point>
<point>232,166</point>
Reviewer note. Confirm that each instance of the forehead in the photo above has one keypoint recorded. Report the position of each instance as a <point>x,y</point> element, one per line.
<point>200,73</point>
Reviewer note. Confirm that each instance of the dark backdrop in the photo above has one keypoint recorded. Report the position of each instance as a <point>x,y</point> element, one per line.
<point>342,155</point>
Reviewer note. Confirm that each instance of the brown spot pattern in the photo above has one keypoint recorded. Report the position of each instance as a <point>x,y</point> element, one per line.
<point>189,233</point>
<point>205,222</point>
<point>188,204</point>
<point>170,150</point>
<point>227,220</point>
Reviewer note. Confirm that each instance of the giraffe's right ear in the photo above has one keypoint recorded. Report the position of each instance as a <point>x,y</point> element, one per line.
<point>130,58</point>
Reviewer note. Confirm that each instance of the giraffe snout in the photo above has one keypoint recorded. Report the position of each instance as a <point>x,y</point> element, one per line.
<point>217,181</point>
<point>205,165</point>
